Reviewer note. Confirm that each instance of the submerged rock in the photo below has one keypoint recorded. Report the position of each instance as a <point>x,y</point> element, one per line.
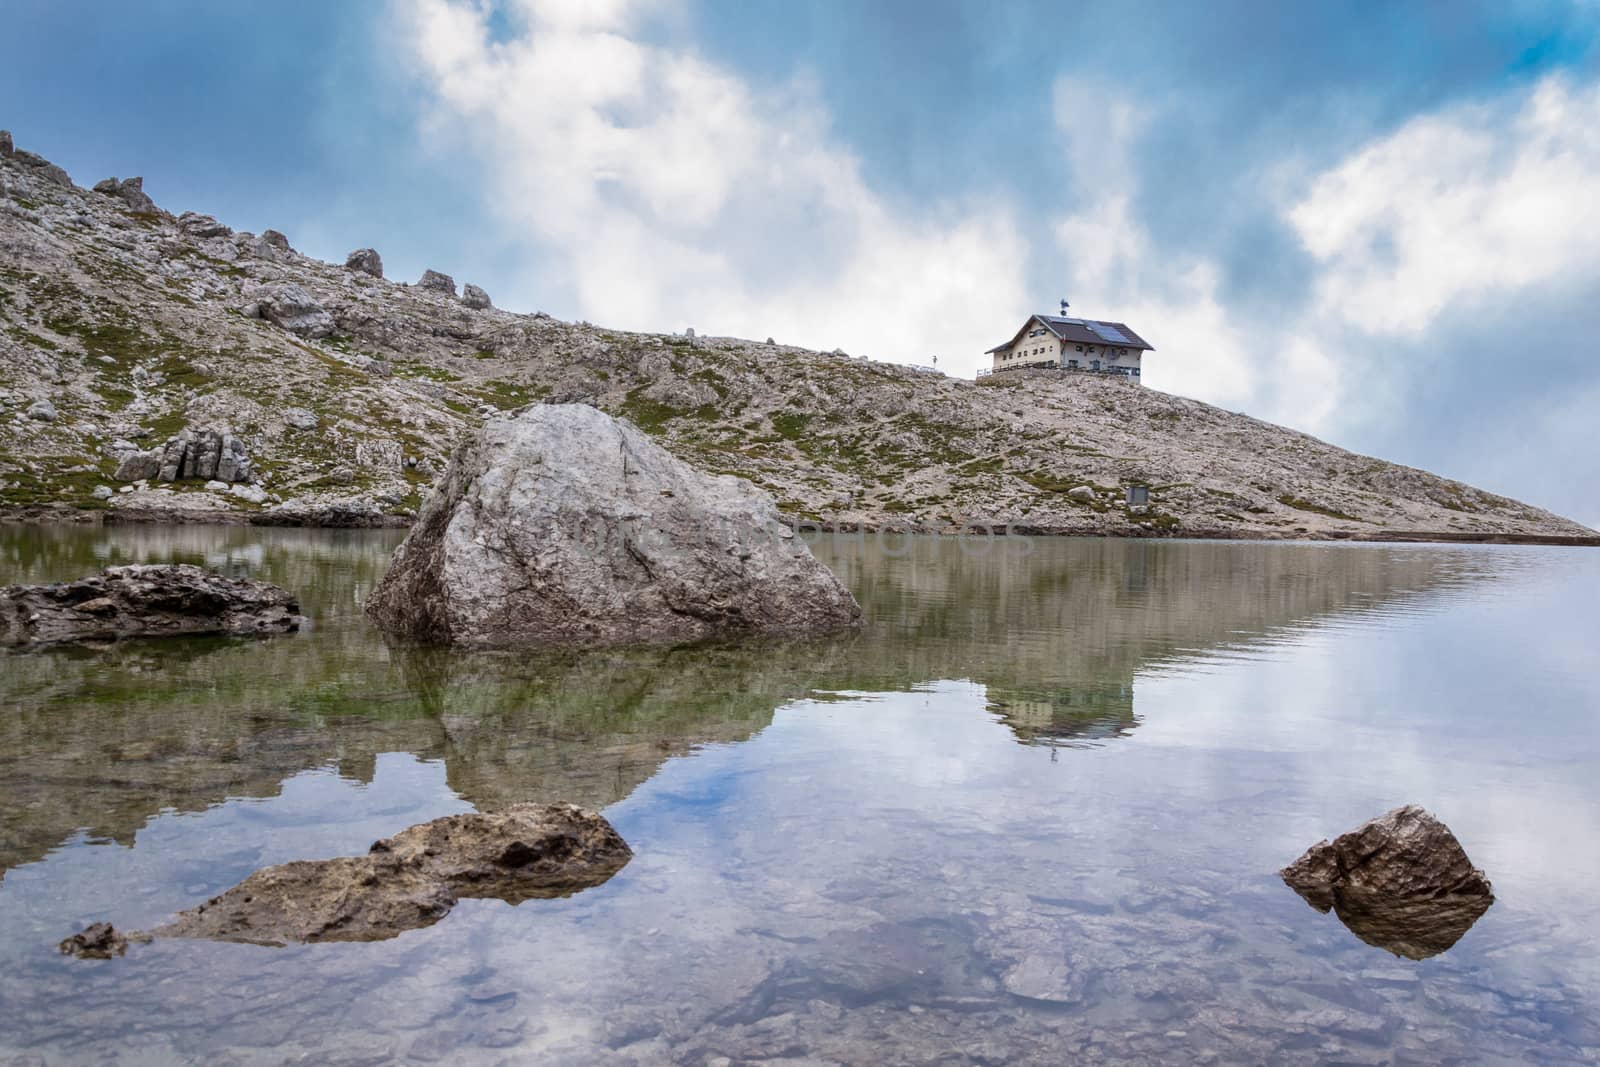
<point>566,526</point>
<point>144,600</point>
<point>1401,882</point>
<point>98,941</point>
<point>405,882</point>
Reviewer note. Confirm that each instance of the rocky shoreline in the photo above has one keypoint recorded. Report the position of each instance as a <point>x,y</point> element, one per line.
<point>332,519</point>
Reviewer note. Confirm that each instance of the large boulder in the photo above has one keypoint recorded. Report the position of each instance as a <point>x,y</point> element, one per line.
<point>563,525</point>
<point>130,191</point>
<point>404,882</point>
<point>203,226</point>
<point>138,466</point>
<point>365,261</point>
<point>144,600</point>
<point>1401,882</point>
<point>475,298</point>
<point>443,283</point>
<point>287,305</point>
<point>6,147</point>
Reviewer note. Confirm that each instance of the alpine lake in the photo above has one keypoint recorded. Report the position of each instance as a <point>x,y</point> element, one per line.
<point>1033,812</point>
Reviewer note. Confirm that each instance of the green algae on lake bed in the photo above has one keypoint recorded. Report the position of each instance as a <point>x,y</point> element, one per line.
<point>1033,812</point>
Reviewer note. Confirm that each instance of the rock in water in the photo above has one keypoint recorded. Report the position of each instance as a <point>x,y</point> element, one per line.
<point>97,941</point>
<point>144,600</point>
<point>1401,882</point>
<point>410,880</point>
<point>566,526</point>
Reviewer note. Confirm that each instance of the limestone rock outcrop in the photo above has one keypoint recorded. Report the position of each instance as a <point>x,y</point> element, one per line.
<point>432,279</point>
<point>144,600</point>
<point>475,298</point>
<point>405,882</point>
<point>1401,882</point>
<point>365,261</point>
<point>300,419</point>
<point>202,226</point>
<point>42,166</point>
<point>202,454</point>
<point>287,305</point>
<point>6,147</point>
<point>130,191</point>
<point>566,526</point>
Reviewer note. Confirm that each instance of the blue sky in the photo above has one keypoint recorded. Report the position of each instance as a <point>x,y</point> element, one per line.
<point>1377,222</point>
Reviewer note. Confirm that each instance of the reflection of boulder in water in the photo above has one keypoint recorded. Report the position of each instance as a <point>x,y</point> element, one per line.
<point>510,729</point>
<point>1415,928</point>
<point>405,882</point>
<point>1066,717</point>
<point>1401,882</point>
<point>588,726</point>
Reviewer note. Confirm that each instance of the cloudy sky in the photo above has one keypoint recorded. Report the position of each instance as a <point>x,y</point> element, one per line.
<point>1378,222</point>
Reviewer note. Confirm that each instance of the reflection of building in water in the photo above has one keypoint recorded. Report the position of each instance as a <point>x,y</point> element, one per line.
<point>1066,717</point>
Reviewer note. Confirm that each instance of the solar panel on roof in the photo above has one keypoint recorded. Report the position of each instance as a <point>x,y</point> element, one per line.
<point>1110,333</point>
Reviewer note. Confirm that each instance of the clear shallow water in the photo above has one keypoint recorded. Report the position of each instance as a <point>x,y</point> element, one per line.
<point>1031,814</point>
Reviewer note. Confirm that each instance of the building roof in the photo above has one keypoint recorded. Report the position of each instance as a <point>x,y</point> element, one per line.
<point>1082,331</point>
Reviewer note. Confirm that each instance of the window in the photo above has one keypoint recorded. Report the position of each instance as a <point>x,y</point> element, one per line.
<point>1080,348</point>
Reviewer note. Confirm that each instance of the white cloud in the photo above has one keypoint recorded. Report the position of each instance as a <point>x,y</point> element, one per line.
<point>669,192</point>
<point>1470,204</point>
<point>1114,270</point>
<point>1473,203</point>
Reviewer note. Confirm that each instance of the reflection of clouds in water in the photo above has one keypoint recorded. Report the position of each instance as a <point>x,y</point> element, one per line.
<point>177,860</point>
<point>886,843</point>
<point>1454,711</point>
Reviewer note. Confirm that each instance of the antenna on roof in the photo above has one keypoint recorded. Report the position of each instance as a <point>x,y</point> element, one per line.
<point>1064,306</point>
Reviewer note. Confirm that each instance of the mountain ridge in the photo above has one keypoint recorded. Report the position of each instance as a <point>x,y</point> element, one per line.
<point>123,326</point>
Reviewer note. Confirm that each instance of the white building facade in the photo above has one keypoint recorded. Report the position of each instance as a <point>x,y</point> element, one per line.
<point>1058,343</point>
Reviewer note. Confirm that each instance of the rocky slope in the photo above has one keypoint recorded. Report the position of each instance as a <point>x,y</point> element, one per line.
<point>224,372</point>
